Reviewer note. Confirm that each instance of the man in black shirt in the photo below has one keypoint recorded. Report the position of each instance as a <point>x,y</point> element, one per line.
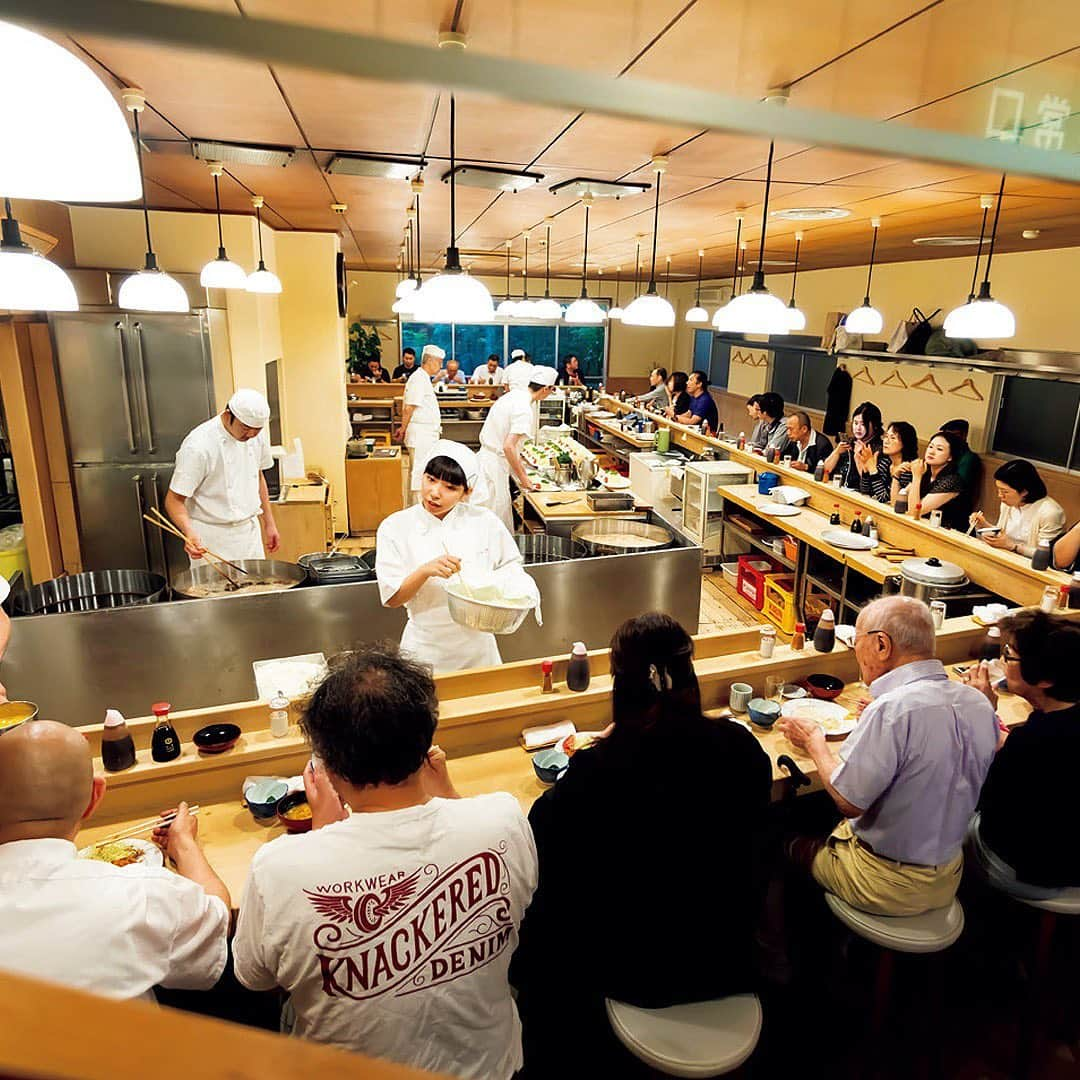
<point>376,372</point>
<point>570,372</point>
<point>407,365</point>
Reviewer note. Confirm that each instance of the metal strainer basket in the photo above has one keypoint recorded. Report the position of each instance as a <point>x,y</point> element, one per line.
<point>485,615</point>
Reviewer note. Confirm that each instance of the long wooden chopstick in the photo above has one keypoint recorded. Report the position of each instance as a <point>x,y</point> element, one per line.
<point>143,826</point>
<point>211,560</point>
<point>162,522</point>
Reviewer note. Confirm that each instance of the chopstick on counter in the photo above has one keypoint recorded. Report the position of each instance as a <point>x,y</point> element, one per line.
<point>144,826</point>
<point>156,517</point>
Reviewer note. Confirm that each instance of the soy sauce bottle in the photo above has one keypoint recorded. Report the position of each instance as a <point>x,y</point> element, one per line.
<point>577,670</point>
<point>825,634</point>
<point>856,524</point>
<point>164,742</point>
<point>991,646</point>
<point>117,745</point>
<point>834,517</point>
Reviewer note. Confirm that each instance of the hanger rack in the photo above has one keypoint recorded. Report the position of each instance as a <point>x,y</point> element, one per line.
<point>929,382</point>
<point>864,376</point>
<point>895,379</point>
<point>967,384</point>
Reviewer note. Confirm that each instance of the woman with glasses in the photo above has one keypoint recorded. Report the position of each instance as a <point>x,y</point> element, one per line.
<point>1028,514</point>
<point>899,447</point>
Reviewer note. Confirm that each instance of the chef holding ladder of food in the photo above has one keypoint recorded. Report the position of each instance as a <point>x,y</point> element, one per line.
<point>218,492</point>
<point>421,420</point>
<point>441,540</point>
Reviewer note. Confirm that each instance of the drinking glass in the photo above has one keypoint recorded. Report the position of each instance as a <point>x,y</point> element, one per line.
<point>772,685</point>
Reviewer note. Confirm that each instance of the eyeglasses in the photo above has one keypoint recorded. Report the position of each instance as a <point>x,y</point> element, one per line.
<point>1009,656</point>
<point>867,633</point>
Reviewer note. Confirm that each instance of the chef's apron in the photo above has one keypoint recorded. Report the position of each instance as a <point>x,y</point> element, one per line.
<point>420,440</point>
<point>432,637</point>
<point>495,471</point>
<point>233,542</point>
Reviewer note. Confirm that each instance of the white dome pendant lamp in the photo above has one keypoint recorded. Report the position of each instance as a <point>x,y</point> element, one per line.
<point>403,305</point>
<point>150,289</point>
<point>526,308</point>
<point>983,316</point>
<point>547,308</point>
<point>867,319</point>
<point>616,312</point>
<point>407,284</point>
<point>508,306</point>
<point>796,319</point>
<point>261,280</point>
<point>583,311</point>
<point>719,319</point>
<point>651,309</point>
<point>453,295</point>
<point>221,273</point>
<point>29,281</point>
<point>697,314</point>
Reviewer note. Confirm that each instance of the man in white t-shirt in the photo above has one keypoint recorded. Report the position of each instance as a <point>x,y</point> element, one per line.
<point>116,931</point>
<point>489,373</point>
<point>392,927</point>
<point>421,420</point>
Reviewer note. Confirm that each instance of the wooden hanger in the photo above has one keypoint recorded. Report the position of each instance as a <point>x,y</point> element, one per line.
<point>967,384</point>
<point>864,376</point>
<point>925,380</point>
<point>895,379</point>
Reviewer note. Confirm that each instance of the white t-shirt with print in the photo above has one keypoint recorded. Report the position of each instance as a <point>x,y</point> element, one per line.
<point>393,932</point>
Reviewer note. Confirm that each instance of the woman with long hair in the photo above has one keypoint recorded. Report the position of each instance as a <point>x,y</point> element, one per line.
<point>936,483</point>
<point>852,454</point>
<point>899,447</point>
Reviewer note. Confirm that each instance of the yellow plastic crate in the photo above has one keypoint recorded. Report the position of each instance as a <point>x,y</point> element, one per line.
<point>779,605</point>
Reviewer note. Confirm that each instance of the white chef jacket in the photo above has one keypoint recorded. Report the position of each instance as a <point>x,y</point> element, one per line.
<point>518,373</point>
<point>219,475</point>
<point>482,377</point>
<point>454,876</point>
<point>512,414</point>
<point>409,538</point>
<point>426,423</point>
<point>116,931</point>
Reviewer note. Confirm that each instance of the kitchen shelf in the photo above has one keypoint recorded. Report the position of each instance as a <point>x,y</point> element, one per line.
<point>756,542</point>
<point>825,587</point>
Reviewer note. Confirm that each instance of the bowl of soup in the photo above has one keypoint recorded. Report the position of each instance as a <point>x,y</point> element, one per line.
<point>14,713</point>
<point>294,812</point>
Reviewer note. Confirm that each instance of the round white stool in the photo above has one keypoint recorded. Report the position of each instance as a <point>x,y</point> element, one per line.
<point>704,1038</point>
<point>930,932</point>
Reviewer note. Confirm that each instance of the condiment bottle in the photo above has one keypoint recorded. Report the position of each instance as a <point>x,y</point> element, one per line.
<point>819,471</point>
<point>1074,591</point>
<point>768,641</point>
<point>279,715</point>
<point>834,517</point>
<point>918,509</point>
<point>164,742</point>
<point>547,687</point>
<point>742,440</point>
<point>770,454</point>
<point>1049,600</point>
<point>869,527</point>
<point>577,670</point>
<point>825,634</point>
<point>1063,597</point>
<point>991,646</point>
<point>798,639</point>
<point>856,524</point>
<point>117,745</point>
<point>1041,559</point>
<point>901,506</point>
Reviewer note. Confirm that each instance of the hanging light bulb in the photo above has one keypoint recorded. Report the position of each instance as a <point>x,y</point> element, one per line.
<point>547,308</point>
<point>150,289</point>
<point>584,311</point>
<point>405,286</point>
<point>652,309</point>
<point>616,312</point>
<point>508,306</point>
<point>221,273</point>
<point>867,319</point>
<point>697,314</point>
<point>261,280</point>
<point>29,281</point>
<point>796,319</point>
<point>58,112</point>
<point>525,308</point>
<point>719,320</point>
<point>983,316</point>
<point>417,186</point>
<point>453,295</point>
<point>403,305</point>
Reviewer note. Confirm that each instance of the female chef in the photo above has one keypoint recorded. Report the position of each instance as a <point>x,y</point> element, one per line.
<point>419,549</point>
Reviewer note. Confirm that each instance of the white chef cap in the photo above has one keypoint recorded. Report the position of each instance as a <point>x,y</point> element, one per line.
<point>433,350</point>
<point>545,376</point>
<point>518,354</point>
<point>455,451</point>
<point>250,408</point>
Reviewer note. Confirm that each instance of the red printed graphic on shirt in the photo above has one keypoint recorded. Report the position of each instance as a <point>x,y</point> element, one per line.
<point>401,933</point>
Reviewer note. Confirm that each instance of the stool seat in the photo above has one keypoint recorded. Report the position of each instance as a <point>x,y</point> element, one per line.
<point>930,932</point>
<point>1066,903</point>
<point>703,1038</point>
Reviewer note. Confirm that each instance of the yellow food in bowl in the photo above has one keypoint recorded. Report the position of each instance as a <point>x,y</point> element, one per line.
<point>16,712</point>
<point>300,812</point>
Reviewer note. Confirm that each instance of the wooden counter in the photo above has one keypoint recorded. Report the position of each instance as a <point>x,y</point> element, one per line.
<point>375,488</point>
<point>562,506</point>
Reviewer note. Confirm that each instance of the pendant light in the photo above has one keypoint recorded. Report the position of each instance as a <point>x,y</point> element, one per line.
<point>525,308</point>
<point>453,295</point>
<point>719,320</point>
<point>261,280</point>
<point>417,186</point>
<point>150,289</point>
<point>983,317</point>
<point>547,308</point>
<point>507,307</point>
<point>637,267</point>
<point>758,311</point>
<point>867,319</point>
<point>403,305</point>
<point>697,314</point>
<point>616,312</point>
<point>652,309</point>
<point>796,319</point>
<point>221,273</point>
<point>29,281</point>
<point>407,285</point>
<point>66,137</point>
<point>584,311</point>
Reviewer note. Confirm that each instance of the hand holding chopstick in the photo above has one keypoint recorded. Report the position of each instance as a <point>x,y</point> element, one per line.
<point>156,517</point>
<point>160,823</point>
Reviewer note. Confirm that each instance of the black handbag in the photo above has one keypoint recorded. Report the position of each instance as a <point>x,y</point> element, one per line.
<point>920,335</point>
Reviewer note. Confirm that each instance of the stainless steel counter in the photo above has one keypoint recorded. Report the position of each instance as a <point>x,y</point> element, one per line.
<point>197,653</point>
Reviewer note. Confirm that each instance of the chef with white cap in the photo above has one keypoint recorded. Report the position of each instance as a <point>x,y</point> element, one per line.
<point>421,420</point>
<point>445,535</point>
<point>218,492</point>
<point>518,370</point>
<point>510,421</point>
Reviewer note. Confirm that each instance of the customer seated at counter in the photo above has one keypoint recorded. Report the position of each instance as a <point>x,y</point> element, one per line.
<point>630,832</point>
<point>407,365</point>
<point>855,453</point>
<point>452,374</point>
<point>570,372</point>
<point>936,484</point>
<point>1027,515</point>
<point>908,779</point>
<point>772,431</point>
<point>657,394</point>
<point>680,399</point>
<point>111,930</point>
<point>968,463</point>
<point>805,446</point>
<point>489,373</point>
<point>702,411</point>
<point>1023,837</point>
<point>899,447</point>
<point>376,373</point>
<point>1067,550</point>
<point>391,927</point>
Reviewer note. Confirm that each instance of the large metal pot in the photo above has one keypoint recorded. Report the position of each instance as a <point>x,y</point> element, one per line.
<point>257,570</point>
<point>91,591</point>
<point>336,569</point>
<point>619,536</point>
<point>928,579</point>
<point>542,548</point>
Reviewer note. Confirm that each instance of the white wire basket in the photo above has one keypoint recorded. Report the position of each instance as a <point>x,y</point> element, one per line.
<point>485,615</point>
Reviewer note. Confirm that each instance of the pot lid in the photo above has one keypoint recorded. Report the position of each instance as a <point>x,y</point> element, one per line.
<point>932,571</point>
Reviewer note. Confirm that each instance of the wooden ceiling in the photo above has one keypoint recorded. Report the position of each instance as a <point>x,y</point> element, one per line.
<point>931,63</point>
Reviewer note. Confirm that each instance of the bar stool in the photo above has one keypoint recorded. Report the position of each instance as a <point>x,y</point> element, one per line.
<point>703,1038</point>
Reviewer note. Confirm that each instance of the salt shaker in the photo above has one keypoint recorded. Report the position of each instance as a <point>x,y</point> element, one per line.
<point>768,641</point>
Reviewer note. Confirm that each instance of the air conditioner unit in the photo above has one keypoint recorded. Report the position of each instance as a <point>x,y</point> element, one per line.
<point>716,294</point>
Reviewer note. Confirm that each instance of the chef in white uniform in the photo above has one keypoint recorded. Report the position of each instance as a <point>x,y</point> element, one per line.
<point>218,493</point>
<point>443,535</point>
<point>510,421</point>
<point>518,371</point>
<point>421,420</point>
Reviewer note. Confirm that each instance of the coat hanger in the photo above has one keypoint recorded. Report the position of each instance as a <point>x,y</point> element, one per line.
<point>895,379</point>
<point>967,384</point>
<point>929,382</point>
<point>864,376</point>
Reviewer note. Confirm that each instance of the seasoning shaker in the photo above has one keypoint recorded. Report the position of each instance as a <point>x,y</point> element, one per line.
<point>937,613</point>
<point>825,634</point>
<point>1049,600</point>
<point>935,519</point>
<point>798,639</point>
<point>279,715</point>
<point>1041,559</point>
<point>768,641</point>
<point>546,686</point>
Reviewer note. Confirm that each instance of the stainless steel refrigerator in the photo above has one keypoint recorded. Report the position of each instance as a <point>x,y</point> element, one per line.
<point>133,386</point>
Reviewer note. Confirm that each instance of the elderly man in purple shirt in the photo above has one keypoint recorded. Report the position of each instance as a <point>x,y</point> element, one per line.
<point>908,778</point>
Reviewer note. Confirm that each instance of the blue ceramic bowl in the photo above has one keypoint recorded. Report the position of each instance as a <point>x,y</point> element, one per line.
<point>262,798</point>
<point>549,765</point>
<point>763,712</point>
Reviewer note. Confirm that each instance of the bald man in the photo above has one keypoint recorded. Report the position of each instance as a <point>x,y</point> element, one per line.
<point>110,930</point>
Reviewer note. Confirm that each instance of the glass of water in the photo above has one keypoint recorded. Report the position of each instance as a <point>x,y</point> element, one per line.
<point>772,685</point>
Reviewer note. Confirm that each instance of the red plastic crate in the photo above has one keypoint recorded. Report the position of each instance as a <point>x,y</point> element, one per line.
<point>753,569</point>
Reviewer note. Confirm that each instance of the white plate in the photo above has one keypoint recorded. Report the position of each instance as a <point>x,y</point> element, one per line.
<point>562,743</point>
<point>776,509</point>
<point>151,856</point>
<point>615,482</point>
<point>844,538</point>
<point>835,720</point>
<point>602,414</point>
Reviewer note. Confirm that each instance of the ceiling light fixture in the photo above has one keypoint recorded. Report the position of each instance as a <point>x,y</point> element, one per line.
<point>525,308</point>
<point>241,153</point>
<point>221,273</point>
<point>697,314</point>
<point>508,306</point>
<point>719,319</point>
<point>796,319</point>
<point>483,176</point>
<point>417,187</point>
<point>652,309</point>
<point>374,165</point>
<point>454,295</point>
<point>150,289</point>
<point>983,317</point>
<point>261,280</point>
<point>65,135</point>
<point>547,308</point>
<point>403,305</point>
<point>867,319</point>
<point>408,284</point>
<point>812,213</point>
<point>29,281</point>
<point>584,311</point>
<point>616,312</point>
<point>598,189</point>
